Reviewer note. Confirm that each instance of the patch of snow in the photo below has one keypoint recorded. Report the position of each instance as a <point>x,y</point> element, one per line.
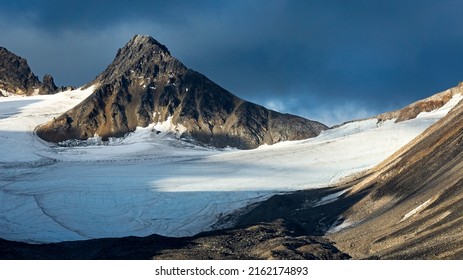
<point>442,111</point>
<point>330,198</point>
<point>338,226</point>
<point>419,208</point>
<point>169,126</point>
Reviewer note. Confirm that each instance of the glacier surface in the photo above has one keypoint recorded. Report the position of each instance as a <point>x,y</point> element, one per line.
<point>152,182</point>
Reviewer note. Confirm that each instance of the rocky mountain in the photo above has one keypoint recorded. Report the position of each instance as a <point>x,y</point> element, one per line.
<point>410,205</point>
<point>145,84</point>
<point>16,77</point>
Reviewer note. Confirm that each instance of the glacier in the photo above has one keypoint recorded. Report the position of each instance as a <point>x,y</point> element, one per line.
<point>152,182</point>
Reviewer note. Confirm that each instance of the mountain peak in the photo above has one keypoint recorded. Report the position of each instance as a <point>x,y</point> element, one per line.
<point>144,42</point>
<point>16,77</point>
<point>145,84</point>
<point>140,57</point>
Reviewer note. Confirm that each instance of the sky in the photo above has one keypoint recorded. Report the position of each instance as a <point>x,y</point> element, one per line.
<point>327,60</point>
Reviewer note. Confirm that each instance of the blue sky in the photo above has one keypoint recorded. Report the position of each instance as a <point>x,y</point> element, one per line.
<point>329,60</point>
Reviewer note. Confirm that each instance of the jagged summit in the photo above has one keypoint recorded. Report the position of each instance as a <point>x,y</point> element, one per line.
<point>15,74</point>
<point>16,77</point>
<point>142,40</point>
<point>138,57</point>
<point>145,84</point>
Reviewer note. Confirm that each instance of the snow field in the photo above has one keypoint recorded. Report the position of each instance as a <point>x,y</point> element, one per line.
<point>150,182</point>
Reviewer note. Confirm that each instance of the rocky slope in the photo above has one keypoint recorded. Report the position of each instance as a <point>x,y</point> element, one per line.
<point>412,202</point>
<point>16,77</point>
<point>145,84</point>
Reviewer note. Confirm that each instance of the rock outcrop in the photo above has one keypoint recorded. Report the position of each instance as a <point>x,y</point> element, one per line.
<point>145,84</point>
<point>48,85</point>
<point>16,77</point>
<point>425,105</point>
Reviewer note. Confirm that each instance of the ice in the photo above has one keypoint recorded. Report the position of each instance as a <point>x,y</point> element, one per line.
<point>152,182</point>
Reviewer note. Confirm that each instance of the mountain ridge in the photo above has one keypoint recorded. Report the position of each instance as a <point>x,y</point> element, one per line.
<point>16,77</point>
<point>145,84</point>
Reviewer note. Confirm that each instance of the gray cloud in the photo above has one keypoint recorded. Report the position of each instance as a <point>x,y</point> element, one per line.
<point>329,60</point>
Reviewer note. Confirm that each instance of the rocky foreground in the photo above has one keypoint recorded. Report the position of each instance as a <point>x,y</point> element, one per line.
<point>280,238</point>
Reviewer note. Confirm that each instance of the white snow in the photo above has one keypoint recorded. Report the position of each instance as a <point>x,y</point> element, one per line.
<point>419,208</point>
<point>330,198</point>
<point>338,226</point>
<point>150,182</point>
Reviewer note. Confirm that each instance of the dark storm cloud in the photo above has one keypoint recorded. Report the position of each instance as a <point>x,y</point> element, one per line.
<point>329,60</point>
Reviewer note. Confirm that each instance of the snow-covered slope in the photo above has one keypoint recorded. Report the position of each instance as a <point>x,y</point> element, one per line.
<point>151,182</point>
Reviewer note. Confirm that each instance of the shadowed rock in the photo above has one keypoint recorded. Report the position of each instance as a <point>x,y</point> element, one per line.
<point>15,74</point>
<point>16,77</point>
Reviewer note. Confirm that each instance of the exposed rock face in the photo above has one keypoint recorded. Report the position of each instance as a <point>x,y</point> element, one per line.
<point>145,84</point>
<point>414,199</point>
<point>425,105</point>
<point>48,85</point>
<point>16,76</point>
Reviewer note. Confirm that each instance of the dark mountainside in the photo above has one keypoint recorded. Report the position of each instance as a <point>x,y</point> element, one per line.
<point>16,77</point>
<point>145,84</point>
